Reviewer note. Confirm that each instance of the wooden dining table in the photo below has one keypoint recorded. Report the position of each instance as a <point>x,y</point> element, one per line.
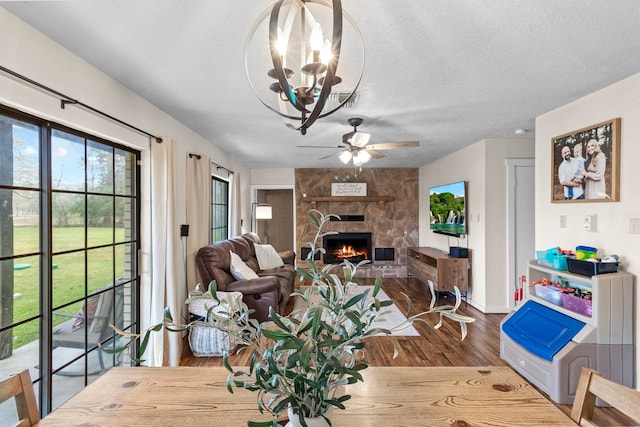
<point>388,396</point>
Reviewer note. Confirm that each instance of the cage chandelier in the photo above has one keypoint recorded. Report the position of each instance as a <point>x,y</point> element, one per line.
<point>298,75</point>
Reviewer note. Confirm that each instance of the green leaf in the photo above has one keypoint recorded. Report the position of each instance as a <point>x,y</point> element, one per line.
<point>344,398</point>
<point>305,352</point>
<point>168,318</point>
<point>386,303</point>
<point>304,273</point>
<point>213,287</point>
<point>276,335</point>
<point>355,318</point>
<point>354,300</point>
<point>304,327</point>
<point>313,218</point>
<point>262,424</point>
<point>116,350</point>
<point>360,366</point>
<point>225,361</point>
<point>317,317</point>
<point>275,317</point>
<point>144,343</point>
<point>377,286</point>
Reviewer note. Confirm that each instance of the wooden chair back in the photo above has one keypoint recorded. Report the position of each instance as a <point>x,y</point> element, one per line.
<point>592,385</point>
<point>19,387</point>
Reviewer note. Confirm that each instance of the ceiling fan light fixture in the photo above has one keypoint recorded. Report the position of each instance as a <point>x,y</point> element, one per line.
<point>360,139</point>
<point>302,60</point>
<point>361,157</point>
<point>345,156</point>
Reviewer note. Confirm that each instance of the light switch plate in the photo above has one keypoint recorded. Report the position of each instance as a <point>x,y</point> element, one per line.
<point>563,221</point>
<point>589,223</point>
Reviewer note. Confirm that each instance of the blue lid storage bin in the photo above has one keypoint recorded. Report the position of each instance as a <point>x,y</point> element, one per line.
<point>541,330</point>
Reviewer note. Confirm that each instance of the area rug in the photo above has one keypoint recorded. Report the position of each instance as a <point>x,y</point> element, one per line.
<point>392,315</point>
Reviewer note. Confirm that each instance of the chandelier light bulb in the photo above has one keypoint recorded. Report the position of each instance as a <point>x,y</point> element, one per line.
<point>315,40</point>
<point>325,52</point>
<point>282,43</point>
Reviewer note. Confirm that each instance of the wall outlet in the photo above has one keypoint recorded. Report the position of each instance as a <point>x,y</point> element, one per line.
<point>634,225</point>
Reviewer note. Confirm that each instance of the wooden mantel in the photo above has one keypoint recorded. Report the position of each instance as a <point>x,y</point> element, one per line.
<point>380,199</point>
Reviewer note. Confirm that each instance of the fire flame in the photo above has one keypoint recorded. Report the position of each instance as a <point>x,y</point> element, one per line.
<point>348,251</point>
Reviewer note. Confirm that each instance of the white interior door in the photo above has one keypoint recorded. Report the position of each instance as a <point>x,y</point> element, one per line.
<point>521,219</point>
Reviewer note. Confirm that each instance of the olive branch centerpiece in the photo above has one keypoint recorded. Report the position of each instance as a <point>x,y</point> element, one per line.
<point>301,362</point>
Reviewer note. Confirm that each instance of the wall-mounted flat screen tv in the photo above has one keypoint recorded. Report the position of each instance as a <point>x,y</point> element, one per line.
<point>447,209</point>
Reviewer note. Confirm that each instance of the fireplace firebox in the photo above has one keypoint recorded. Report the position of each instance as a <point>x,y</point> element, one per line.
<point>354,247</point>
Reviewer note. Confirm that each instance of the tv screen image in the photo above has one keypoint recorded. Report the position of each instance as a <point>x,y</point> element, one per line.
<point>447,209</point>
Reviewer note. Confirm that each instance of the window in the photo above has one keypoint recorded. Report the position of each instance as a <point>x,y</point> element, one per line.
<point>219,209</point>
<point>68,244</point>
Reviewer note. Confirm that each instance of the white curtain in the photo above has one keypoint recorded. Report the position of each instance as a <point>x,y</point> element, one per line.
<point>198,213</point>
<point>238,226</point>
<point>166,285</point>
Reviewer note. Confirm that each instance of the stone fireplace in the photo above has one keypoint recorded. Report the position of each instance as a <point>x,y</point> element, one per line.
<point>389,212</point>
<point>354,247</point>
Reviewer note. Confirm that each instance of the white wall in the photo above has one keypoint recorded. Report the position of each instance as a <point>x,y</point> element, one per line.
<point>282,177</point>
<point>622,100</point>
<point>483,166</point>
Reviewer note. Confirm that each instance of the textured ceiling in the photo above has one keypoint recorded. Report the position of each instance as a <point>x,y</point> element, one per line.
<point>445,72</point>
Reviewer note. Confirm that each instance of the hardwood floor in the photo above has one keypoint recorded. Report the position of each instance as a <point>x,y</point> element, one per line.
<point>441,347</point>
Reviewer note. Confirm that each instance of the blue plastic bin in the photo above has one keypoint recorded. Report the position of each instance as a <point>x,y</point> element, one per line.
<point>552,258</point>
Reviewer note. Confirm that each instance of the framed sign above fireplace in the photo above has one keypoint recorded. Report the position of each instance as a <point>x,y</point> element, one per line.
<point>348,189</point>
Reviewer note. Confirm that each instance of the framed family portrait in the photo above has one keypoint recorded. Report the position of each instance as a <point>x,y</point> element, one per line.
<point>585,164</point>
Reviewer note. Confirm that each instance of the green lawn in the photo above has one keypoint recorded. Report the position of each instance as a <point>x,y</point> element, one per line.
<point>68,273</point>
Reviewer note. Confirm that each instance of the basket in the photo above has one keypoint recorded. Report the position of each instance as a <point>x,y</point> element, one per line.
<point>208,341</point>
<point>205,339</point>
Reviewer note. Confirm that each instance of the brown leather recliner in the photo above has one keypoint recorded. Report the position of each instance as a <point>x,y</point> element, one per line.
<point>272,288</point>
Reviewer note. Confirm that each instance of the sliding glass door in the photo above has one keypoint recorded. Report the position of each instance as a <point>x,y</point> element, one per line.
<point>69,213</point>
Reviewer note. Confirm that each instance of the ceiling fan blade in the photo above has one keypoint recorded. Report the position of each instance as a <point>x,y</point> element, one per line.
<point>330,155</point>
<point>375,154</point>
<point>393,145</point>
<point>320,146</point>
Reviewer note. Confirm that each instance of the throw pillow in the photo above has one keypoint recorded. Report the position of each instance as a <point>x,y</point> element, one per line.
<point>240,270</point>
<point>199,306</point>
<point>267,256</point>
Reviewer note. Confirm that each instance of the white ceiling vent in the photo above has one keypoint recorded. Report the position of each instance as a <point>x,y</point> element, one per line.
<point>340,97</point>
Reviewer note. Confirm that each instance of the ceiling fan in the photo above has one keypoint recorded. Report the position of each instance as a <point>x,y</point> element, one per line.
<point>355,146</point>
